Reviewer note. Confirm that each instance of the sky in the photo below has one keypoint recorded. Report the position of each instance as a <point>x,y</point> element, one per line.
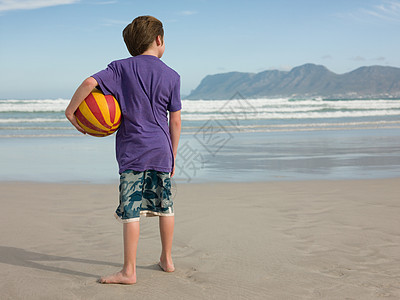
<point>48,47</point>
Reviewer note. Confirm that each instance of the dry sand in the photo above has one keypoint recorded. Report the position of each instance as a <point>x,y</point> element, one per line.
<point>273,240</point>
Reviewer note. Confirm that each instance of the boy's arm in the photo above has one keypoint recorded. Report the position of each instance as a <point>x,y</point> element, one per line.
<point>175,132</point>
<point>80,94</point>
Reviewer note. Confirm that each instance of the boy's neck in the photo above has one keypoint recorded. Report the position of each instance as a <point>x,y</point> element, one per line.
<point>151,52</point>
<point>156,48</point>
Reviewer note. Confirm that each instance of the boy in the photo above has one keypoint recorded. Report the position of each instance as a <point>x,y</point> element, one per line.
<point>146,145</point>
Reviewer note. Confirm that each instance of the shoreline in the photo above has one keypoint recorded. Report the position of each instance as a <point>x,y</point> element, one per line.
<point>308,239</point>
<point>198,182</point>
<point>109,183</point>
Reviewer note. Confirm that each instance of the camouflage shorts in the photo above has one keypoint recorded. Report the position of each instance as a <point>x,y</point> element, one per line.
<point>144,193</point>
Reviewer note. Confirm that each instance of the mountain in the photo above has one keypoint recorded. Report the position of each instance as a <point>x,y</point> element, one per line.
<point>308,80</point>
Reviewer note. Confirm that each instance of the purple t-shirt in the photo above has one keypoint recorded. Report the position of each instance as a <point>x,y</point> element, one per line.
<point>146,89</point>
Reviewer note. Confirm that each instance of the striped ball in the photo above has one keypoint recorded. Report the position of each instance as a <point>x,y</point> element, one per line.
<point>99,115</point>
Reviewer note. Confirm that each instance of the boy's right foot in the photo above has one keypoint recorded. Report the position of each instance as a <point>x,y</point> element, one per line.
<point>118,278</point>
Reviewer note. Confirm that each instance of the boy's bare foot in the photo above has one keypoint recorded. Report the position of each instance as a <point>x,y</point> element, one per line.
<point>166,267</point>
<point>118,278</point>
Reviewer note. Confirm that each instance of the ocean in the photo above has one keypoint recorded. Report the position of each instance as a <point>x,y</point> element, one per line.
<point>222,140</point>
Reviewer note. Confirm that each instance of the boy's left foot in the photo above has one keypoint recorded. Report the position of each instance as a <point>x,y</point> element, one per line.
<point>118,278</point>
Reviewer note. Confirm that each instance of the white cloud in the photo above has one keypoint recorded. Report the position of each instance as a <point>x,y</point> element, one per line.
<point>358,58</point>
<point>280,68</point>
<point>6,5</point>
<point>187,12</point>
<point>113,22</point>
<point>387,11</point>
<point>106,2</point>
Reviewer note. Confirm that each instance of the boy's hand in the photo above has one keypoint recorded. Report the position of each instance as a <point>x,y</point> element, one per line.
<point>72,118</point>
<point>173,172</point>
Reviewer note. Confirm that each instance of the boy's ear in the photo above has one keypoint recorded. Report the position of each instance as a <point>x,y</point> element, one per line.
<point>159,40</point>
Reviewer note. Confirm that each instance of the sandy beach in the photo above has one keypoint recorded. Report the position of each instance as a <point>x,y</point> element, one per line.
<point>269,240</point>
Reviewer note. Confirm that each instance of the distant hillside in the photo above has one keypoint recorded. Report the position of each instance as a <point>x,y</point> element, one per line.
<point>308,80</point>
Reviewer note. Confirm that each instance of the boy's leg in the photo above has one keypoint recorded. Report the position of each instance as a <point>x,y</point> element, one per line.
<point>167,234</point>
<point>128,273</point>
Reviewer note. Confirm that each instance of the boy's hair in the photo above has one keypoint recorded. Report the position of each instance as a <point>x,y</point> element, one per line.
<point>139,34</point>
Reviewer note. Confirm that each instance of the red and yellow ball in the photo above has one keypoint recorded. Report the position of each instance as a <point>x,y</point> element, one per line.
<point>99,114</point>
